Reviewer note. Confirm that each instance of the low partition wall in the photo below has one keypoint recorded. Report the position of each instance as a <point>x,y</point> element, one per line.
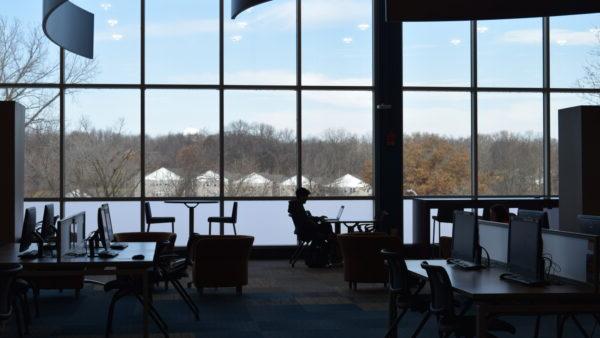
<point>575,254</point>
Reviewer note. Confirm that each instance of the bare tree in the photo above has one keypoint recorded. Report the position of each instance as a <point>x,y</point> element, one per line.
<point>591,78</point>
<point>24,58</point>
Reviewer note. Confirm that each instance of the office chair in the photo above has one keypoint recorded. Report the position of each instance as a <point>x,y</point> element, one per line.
<point>11,302</point>
<point>401,296</point>
<point>444,215</point>
<point>443,307</point>
<point>232,219</point>
<point>157,220</point>
<point>126,285</point>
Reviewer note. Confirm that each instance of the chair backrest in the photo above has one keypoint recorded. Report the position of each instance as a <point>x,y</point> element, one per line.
<point>162,248</point>
<point>442,297</point>
<point>8,272</point>
<point>499,213</point>
<point>398,282</point>
<point>148,211</point>
<point>234,212</point>
<point>445,215</point>
<point>299,229</point>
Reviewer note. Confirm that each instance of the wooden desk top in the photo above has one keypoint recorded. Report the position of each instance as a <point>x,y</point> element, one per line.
<point>485,284</point>
<point>9,253</point>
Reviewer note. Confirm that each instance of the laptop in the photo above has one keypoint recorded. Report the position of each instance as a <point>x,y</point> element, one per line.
<point>337,218</point>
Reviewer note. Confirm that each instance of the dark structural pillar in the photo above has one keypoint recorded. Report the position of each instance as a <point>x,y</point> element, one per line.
<point>12,142</point>
<point>387,69</point>
<point>579,163</point>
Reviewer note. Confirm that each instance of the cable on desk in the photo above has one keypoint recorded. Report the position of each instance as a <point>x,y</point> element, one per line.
<point>487,255</point>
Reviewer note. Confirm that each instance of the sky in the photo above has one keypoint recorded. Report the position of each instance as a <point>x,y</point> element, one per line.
<point>182,44</point>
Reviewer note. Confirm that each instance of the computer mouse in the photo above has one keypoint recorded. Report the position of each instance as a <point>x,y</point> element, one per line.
<point>138,257</point>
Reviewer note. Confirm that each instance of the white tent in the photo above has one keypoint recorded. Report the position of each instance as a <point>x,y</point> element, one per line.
<point>210,176</point>
<point>254,179</point>
<point>291,182</point>
<point>162,174</point>
<point>162,182</point>
<point>348,181</point>
<point>351,185</point>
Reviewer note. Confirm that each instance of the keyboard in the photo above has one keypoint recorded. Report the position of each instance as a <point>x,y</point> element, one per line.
<point>118,246</point>
<point>465,265</point>
<point>107,254</point>
<point>29,254</point>
<point>513,277</point>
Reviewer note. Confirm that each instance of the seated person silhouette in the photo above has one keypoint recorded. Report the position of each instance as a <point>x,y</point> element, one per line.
<point>313,226</point>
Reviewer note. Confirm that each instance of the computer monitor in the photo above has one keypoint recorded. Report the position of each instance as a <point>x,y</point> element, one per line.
<point>48,221</point>
<point>525,248</point>
<point>71,234</point>
<point>589,224</point>
<point>28,234</point>
<point>105,230</point>
<point>535,215</point>
<point>465,237</point>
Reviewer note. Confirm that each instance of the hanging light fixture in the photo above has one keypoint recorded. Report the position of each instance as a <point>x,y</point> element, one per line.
<point>238,6</point>
<point>443,10</point>
<point>69,26</point>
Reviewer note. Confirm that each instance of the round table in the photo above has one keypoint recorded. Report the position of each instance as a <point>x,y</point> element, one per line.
<point>191,204</point>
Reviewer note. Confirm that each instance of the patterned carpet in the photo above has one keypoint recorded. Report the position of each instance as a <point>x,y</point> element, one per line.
<point>278,302</point>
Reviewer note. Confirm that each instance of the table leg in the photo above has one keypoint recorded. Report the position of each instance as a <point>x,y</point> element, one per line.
<point>191,218</point>
<point>482,312</point>
<point>392,313</point>
<point>146,292</point>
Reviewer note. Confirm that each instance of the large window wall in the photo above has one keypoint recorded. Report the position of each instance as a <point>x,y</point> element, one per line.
<point>481,103</point>
<point>181,101</point>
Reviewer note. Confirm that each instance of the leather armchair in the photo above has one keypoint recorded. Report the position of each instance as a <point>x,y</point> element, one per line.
<point>363,262</point>
<point>221,261</point>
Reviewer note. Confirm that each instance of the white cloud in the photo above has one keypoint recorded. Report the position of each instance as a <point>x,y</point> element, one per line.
<point>105,6</point>
<point>455,42</point>
<point>191,131</point>
<point>242,24</point>
<point>561,37</point>
<point>482,29</point>
<point>363,26</point>
<point>347,40</point>
<point>117,37</point>
<point>112,22</point>
<point>236,38</point>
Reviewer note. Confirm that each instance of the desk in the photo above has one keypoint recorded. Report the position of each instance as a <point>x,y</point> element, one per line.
<point>492,296</point>
<point>191,204</point>
<point>48,267</point>
<point>422,210</point>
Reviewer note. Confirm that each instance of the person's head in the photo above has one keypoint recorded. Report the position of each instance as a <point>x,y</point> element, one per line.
<point>302,194</point>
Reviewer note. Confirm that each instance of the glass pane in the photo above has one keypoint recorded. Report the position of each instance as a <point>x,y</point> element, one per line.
<point>437,143</point>
<point>337,46</point>
<point>260,142</point>
<point>182,219</point>
<point>510,144</point>
<point>408,219</point>
<point>102,143</point>
<point>182,143</point>
<point>557,102</point>
<point>260,44</point>
<point>116,43</point>
<point>337,142</point>
<point>42,139</point>
<point>436,54</point>
<point>575,51</point>
<point>182,41</point>
<point>275,229</point>
<point>509,53</point>
<point>125,216</point>
<point>27,55</point>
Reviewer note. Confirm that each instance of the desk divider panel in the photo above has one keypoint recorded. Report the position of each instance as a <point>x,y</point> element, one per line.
<point>575,254</point>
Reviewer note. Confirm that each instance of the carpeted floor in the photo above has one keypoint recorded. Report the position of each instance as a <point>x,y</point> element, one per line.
<point>278,302</point>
